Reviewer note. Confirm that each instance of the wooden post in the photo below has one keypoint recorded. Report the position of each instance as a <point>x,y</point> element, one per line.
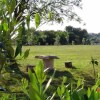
<point>48,63</point>
<point>68,64</point>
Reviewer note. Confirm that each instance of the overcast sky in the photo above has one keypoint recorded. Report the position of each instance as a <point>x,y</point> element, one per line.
<point>90,15</point>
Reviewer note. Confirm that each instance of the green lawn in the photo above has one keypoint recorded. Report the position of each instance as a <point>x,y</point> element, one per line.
<point>80,55</point>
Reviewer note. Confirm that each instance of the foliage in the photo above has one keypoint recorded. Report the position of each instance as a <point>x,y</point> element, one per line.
<point>44,10</point>
<point>77,35</point>
<point>48,37</point>
<point>37,19</point>
<point>94,62</point>
<point>74,93</point>
<point>94,38</point>
<point>35,88</point>
<point>52,10</point>
<point>70,36</point>
<point>9,29</point>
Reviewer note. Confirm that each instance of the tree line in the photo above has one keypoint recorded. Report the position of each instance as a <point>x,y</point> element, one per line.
<point>71,35</point>
<point>94,38</point>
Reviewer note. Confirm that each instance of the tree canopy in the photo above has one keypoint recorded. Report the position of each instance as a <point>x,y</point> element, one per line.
<point>71,35</point>
<point>48,9</point>
<point>76,34</point>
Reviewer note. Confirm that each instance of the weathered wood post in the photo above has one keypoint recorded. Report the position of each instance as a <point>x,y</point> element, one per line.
<point>68,64</point>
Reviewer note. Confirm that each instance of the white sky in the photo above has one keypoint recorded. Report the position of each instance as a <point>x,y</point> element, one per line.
<point>90,15</point>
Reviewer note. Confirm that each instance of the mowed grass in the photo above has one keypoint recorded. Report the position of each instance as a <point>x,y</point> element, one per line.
<point>79,55</point>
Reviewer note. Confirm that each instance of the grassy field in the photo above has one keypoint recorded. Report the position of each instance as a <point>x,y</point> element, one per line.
<point>80,55</point>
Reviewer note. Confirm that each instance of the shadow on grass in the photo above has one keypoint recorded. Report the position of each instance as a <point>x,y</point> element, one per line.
<point>89,80</point>
<point>57,80</point>
<point>59,73</point>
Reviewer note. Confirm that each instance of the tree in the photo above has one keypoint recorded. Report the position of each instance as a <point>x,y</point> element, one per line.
<point>63,37</point>
<point>76,34</point>
<point>10,28</point>
<point>23,35</point>
<point>50,37</point>
<point>83,35</point>
<point>41,38</point>
<point>57,40</point>
<point>83,41</point>
<point>94,38</point>
<point>71,37</point>
<point>30,36</point>
<point>52,10</point>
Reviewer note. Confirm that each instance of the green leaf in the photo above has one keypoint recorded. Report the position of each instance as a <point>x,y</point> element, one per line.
<point>39,70</point>
<point>75,96</point>
<point>33,94</point>
<point>33,80</point>
<point>5,26</point>
<point>13,5</point>
<point>88,92</point>
<point>62,89</point>
<point>78,83</point>
<point>24,83</point>
<point>7,2</point>
<point>37,20</point>
<point>26,53</point>
<point>24,86</point>
<point>11,26</point>
<point>13,97</point>
<point>5,96</point>
<point>2,59</point>
<point>34,90</point>
<point>0,28</point>
<point>67,95</point>
<point>28,20</point>
<point>96,95</point>
<point>10,51</point>
<point>50,16</point>
<point>59,91</point>
<point>10,4</point>
<point>64,79</point>
<point>82,93</point>
<point>92,95</point>
<point>18,49</point>
<point>97,83</point>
